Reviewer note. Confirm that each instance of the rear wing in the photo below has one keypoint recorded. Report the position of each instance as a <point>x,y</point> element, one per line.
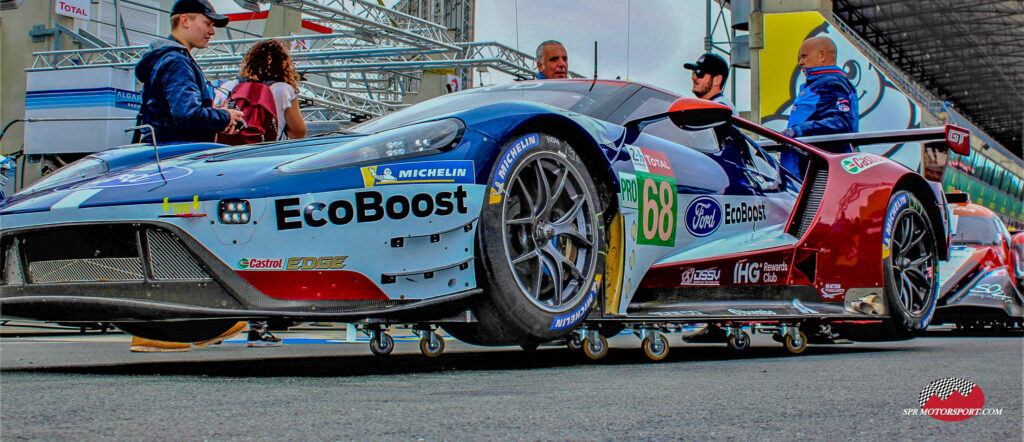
<point>936,144</point>
<point>951,137</point>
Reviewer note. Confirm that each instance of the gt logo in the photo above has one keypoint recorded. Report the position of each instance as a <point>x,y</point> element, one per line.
<point>956,136</point>
<point>746,272</point>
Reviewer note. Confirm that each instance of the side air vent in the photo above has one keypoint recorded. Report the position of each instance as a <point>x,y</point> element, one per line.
<point>13,274</point>
<point>168,259</point>
<point>809,204</point>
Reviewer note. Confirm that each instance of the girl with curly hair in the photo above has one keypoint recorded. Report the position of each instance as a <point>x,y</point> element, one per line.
<point>268,62</point>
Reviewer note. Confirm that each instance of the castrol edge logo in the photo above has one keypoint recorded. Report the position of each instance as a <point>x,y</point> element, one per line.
<point>860,162</point>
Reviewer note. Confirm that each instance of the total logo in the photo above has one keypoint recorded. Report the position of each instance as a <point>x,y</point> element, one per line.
<point>253,263</point>
<point>744,272</point>
<point>368,206</point>
<point>692,276</point>
<point>858,163</point>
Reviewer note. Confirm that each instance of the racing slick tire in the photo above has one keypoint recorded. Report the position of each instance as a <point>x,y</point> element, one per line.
<point>910,266</point>
<point>178,331</point>
<point>541,245</point>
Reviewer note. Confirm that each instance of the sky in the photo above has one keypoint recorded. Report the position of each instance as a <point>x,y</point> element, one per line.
<point>641,40</point>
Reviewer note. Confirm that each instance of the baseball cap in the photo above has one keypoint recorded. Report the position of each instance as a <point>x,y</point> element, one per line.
<point>710,64</point>
<point>199,7</point>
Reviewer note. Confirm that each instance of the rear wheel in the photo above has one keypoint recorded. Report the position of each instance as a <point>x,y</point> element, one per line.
<point>541,244</point>
<point>910,263</point>
<point>179,331</point>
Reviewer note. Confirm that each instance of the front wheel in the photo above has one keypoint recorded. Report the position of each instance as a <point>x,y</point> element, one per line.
<point>541,244</point>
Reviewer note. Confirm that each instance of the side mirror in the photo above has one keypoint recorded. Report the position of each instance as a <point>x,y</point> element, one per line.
<point>697,114</point>
<point>959,139</point>
<point>958,198</point>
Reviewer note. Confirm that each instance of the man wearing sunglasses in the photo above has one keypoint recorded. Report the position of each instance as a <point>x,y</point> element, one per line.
<point>709,74</point>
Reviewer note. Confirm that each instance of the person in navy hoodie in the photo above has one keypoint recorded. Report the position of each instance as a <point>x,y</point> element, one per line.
<point>826,103</point>
<point>177,101</point>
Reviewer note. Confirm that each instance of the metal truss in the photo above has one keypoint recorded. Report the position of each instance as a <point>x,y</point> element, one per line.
<point>366,67</point>
<point>373,21</point>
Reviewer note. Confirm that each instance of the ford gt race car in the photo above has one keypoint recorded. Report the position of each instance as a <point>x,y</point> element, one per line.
<point>512,214</point>
<point>977,285</point>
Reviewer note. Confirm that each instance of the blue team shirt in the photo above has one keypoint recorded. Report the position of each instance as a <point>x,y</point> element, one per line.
<point>826,104</point>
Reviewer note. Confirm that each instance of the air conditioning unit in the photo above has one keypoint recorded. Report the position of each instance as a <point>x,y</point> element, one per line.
<point>10,4</point>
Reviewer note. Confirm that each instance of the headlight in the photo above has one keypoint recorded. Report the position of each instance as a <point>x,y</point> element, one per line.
<point>233,211</point>
<point>408,141</point>
<point>84,168</point>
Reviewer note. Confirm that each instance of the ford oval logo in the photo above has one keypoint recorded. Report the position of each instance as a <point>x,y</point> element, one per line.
<point>703,216</point>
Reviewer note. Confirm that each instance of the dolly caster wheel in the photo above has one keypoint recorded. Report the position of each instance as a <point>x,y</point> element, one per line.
<point>574,342</point>
<point>595,347</point>
<point>382,344</point>
<point>655,347</point>
<point>796,342</point>
<point>739,341</point>
<point>431,345</point>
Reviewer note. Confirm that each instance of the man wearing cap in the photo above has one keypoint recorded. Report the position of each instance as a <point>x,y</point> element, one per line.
<point>177,101</point>
<point>826,103</point>
<point>709,75</point>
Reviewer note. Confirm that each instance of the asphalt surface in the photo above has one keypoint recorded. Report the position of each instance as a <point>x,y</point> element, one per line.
<point>318,387</point>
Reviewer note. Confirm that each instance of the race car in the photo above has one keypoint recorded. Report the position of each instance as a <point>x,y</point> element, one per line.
<point>513,214</point>
<point>978,284</point>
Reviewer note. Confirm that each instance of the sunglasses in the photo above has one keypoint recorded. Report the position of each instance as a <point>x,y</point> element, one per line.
<point>699,73</point>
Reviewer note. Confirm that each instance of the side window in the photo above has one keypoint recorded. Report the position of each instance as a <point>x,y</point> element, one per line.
<point>649,102</point>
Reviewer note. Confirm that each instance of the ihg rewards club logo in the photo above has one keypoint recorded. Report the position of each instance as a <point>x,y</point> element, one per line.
<point>951,400</point>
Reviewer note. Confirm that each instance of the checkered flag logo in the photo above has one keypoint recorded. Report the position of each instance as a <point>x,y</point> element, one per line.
<point>945,387</point>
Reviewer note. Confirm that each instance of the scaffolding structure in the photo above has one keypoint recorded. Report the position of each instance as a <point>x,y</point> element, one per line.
<point>373,58</point>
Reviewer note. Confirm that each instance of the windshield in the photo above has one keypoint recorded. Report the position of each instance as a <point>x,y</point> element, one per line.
<point>576,96</point>
<point>976,231</point>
